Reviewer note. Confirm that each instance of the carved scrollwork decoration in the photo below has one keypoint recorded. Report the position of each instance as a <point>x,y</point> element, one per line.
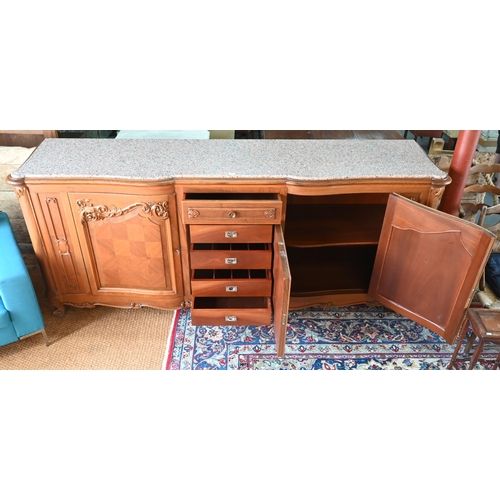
<point>271,213</point>
<point>89,212</point>
<point>92,305</point>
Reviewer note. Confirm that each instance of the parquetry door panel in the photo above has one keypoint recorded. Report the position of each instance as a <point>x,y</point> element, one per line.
<point>127,243</point>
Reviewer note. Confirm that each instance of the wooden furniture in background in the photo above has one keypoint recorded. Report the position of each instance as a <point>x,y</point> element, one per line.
<point>25,138</point>
<point>485,324</point>
<point>452,136</point>
<point>424,133</point>
<point>377,134</point>
<point>488,139</point>
<point>307,134</point>
<point>331,134</point>
<point>436,147</point>
<point>485,211</point>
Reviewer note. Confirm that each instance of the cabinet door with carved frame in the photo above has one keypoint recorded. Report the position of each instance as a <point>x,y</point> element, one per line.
<point>428,265</point>
<point>130,247</point>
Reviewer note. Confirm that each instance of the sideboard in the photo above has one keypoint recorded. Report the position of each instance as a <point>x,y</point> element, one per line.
<point>241,231</point>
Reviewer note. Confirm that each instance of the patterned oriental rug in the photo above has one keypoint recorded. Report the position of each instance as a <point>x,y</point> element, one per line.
<point>361,337</point>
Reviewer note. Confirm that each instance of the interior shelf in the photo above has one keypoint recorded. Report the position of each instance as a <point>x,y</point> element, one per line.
<point>230,246</point>
<point>310,225</point>
<point>231,196</point>
<point>230,274</point>
<point>231,302</point>
<point>331,270</point>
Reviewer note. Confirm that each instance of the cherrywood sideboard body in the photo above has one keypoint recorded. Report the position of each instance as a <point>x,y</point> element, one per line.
<point>241,231</point>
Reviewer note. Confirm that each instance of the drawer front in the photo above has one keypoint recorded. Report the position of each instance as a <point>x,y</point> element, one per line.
<point>231,259</point>
<point>216,312</point>
<point>228,288</point>
<point>231,211</point>
<point>231,233</point>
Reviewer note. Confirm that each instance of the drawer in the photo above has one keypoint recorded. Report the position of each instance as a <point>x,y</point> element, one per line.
<point>231,311</point>
<point>231,211</point>
<point>231,283</point>
<point>231,256</point>
<point>231,233</point>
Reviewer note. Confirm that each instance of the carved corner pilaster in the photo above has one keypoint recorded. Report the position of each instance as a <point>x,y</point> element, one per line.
<point>20,191</point>
<point>18,186</point>
<point>14,181</point>
<point>438,186</point>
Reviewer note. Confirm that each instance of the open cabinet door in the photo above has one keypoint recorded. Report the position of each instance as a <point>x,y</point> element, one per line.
<point>428,264</point>
<point>281,290</point>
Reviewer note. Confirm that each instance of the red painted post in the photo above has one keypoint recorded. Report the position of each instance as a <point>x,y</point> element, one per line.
<point>459,170</point>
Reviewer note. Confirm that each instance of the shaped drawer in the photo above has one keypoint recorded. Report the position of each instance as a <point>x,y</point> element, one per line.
<point>231,233</point>
<point>231,311</point>
<point>230,283</point>
<point>231,211</point>
<point>231,256</point>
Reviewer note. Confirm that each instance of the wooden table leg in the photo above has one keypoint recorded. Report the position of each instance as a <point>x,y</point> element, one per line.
<point>461,336</point>
<point>476,354</point>
<point>469,343</point>
<point>497,362</point>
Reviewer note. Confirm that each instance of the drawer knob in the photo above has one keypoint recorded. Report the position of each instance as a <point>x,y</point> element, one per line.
<point>231,234</point>
<point>231,318</point>
<point>231,288</point>
<point>231,260</point>
<point>231,215</point>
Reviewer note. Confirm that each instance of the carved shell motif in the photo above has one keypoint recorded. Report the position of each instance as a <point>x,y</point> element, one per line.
<point>89,212</point>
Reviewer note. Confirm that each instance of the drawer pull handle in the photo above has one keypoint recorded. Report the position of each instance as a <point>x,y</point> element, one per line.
<point>231,288</point>
<point>231,215</point>
<point>231,234</point>
<point>231,260</point>
<point>231,318</point>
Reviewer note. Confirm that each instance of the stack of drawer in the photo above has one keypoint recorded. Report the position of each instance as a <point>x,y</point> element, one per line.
<point>231,259</point>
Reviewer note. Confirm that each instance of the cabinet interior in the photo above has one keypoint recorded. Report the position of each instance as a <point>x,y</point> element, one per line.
<point>230,302</point>
<point>332,241</point>
<point>231,196</point>
<point>228,274</point>
<point>230,246</point>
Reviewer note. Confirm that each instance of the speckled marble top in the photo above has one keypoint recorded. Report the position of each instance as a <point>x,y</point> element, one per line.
<point>161,159</point>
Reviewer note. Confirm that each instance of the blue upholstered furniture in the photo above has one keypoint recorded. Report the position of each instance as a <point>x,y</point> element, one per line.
<point>20,314</point>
